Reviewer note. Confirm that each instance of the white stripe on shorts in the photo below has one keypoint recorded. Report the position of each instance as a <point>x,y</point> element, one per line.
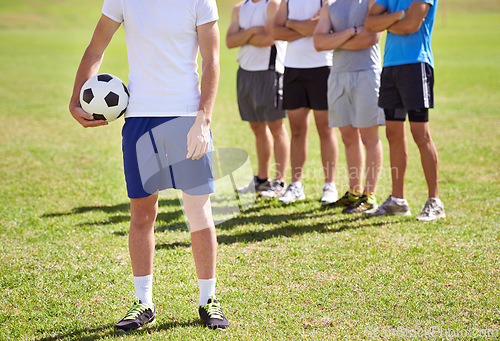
<point>425,86</point>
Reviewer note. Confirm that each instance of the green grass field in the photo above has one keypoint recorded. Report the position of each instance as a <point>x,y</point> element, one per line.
<point>284,273</point>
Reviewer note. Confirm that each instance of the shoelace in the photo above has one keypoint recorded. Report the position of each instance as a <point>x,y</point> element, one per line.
<point>135,311</point>
<point>213,310</point>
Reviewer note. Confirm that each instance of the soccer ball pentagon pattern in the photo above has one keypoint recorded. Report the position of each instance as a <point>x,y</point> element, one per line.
<point>104,96</point>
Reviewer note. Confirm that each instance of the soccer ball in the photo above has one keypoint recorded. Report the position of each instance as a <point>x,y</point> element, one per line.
<point>104,96</point>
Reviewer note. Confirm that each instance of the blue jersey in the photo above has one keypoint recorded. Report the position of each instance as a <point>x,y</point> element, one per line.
<point>409,48</point>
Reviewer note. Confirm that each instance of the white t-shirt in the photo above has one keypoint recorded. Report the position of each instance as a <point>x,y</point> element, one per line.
<point>162,47</point>
<point>301,52</point>
<point>254,58</point>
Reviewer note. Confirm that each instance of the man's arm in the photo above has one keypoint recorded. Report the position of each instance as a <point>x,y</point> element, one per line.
<point>379,19</point>
<point>89,66</point>
<point>413,19</point>
<point>281,32</point>
<point>304,27</point>
<point>352,38</point>
<point>266,37</point>
<point>198,139</point>
<point>237,36</point>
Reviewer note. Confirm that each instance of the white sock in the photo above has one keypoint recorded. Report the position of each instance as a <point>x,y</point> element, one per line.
<point>207,290</point>
<point>298,184</point>
<point>330,183</point>
<point>398,201</point>
<point>144,289</point>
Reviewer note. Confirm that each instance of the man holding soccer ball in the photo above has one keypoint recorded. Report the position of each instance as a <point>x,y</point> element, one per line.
<point>165,96</point>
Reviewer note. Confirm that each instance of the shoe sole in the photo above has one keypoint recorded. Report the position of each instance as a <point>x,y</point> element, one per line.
<point>150,323</point>
<point>290,201</point>
<point>404,214</point>
<point>433,219</point>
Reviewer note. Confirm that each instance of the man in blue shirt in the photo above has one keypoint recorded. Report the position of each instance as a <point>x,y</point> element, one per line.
<point>407,82</point>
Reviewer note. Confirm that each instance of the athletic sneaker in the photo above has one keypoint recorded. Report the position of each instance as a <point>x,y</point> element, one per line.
<point>276,190</point>
<point>330,194</point>
<point>390,207</point>
<point>137,316</point>
<point>211,314</point>
<point>363,204</point>
<point>256,185</point>
<point>345,201</point>
<point>293,193</point>
<point>433,210</point>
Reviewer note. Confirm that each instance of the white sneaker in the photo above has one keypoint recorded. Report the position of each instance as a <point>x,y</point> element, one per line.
<point>277,189</point>
<point>330,194</point>
<point>433,210</point>
<point>390,207</point>
<point>293,193</point>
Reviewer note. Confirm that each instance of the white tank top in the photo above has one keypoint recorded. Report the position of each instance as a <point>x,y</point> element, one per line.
<point>301,52</point>
<point>253,58</point>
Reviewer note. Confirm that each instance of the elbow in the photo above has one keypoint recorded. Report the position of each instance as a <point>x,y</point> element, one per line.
<point>319,44</point>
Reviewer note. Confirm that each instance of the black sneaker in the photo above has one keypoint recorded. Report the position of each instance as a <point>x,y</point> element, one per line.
<point>136,317</point>
<point>347,200</point>
<point>211,314</point>
<point>256,186</point>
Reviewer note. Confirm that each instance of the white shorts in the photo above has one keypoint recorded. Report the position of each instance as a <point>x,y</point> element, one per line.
<point>353,99</point>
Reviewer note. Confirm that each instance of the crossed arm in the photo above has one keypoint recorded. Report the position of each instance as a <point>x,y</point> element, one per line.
<point>352,38</point>
<point>399,22</point>
<point>291,30</point>
<point>259,36</point>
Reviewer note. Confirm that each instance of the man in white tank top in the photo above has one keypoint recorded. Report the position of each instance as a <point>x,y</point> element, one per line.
<point>259,89</point>
<point>305,88</point>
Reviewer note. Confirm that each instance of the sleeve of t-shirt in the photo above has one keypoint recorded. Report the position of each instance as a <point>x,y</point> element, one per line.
<point>113,9</point>
<point>206,11</point>
<point>383,3</point>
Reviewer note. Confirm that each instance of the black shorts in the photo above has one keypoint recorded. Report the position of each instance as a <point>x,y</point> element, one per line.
<point>409,87</point>
<point>306,88</point>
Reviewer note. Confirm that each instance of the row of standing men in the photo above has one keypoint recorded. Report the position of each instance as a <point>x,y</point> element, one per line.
<point>297,56</point>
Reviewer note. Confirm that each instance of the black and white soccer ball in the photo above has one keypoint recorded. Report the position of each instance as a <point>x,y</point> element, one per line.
<point>104,96</point>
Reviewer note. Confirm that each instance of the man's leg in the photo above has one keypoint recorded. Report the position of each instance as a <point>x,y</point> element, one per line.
<point>143,213</point>
<point>204,244</point>
<point>398,151</point>
<point>354,156</point>
<point>299,124</point>
<point>329,144</point>
<point>428,155</point>
<point>264,146</point>
<point>141,238</point>
<point>374,156</point>
<point>281,148</point>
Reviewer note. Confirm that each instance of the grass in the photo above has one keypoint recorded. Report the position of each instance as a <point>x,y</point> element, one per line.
<point>284,273</point>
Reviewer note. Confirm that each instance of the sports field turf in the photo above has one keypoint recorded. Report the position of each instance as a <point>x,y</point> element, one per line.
<point>284,272</point>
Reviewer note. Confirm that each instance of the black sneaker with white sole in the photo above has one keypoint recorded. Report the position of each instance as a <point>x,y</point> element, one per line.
<point>212,316</point>
<point>136,317</point>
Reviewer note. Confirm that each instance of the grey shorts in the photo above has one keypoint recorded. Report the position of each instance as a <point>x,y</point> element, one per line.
<point>353,99</point>
<point>260,95</point>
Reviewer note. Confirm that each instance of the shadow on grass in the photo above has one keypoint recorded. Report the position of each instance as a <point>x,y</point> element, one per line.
<point>288,229</point>
<point>107,331</point>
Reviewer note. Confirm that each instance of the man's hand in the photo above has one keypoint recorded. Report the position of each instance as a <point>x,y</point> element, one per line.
<point>84,118</point>
<point>198,138</point>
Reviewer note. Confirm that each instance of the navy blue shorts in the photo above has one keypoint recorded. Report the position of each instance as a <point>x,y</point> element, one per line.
<point>154,157</point>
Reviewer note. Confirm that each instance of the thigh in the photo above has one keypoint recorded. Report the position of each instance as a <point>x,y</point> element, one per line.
<point>316,84</point>
<point>416,85</point>
<point>294,92</point>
